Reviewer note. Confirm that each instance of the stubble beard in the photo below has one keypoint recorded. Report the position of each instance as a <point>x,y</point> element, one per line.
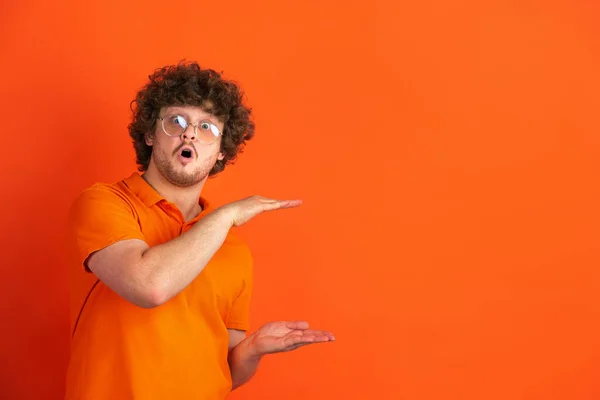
<point>168,167</point>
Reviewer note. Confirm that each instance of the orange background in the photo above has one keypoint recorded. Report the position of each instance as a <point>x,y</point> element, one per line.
<point>446,152</point>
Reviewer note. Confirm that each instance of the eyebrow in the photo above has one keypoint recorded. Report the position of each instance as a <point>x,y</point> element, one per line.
<point>179,110</point>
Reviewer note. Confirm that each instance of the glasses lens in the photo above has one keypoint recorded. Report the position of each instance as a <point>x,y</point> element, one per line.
<point>174,125</point>
<point>207,132</point>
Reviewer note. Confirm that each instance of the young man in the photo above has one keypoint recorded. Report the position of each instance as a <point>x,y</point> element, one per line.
<point>160,287</point>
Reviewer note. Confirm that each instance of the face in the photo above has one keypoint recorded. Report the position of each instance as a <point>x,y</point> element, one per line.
<point>185,159</point>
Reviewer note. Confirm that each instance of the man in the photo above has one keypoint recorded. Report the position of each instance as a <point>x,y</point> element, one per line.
<point>160,287</point>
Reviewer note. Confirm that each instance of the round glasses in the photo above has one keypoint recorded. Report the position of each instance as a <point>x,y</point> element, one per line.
<point>175,125</point>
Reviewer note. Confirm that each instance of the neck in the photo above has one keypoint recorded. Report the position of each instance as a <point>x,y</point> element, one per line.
<point>185,198</point>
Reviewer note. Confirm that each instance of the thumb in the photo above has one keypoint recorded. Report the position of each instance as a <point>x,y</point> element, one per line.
<point>300,325</point>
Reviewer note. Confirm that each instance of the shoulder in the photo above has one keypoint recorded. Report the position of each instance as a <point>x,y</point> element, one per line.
<point>101,200</point>
<point>102,193</point>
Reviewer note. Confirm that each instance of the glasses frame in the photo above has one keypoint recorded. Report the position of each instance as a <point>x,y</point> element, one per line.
<point>196,126</point>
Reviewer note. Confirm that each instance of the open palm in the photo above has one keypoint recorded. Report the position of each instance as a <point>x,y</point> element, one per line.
<point>283,336</point>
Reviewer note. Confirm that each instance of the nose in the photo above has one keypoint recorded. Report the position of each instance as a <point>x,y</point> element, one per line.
<point>190,132</point>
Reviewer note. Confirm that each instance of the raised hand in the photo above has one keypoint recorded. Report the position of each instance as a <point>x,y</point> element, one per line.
<point>242,211</point>
<point>282,336</point>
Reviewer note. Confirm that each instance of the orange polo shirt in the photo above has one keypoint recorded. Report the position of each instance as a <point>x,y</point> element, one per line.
<point>174,351</point>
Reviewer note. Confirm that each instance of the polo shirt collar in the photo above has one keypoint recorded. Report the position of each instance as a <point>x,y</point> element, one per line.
<point>148,195</point>
<point>143,190</point>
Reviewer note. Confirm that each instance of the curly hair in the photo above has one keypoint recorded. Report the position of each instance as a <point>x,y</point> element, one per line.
<point>188,84</point>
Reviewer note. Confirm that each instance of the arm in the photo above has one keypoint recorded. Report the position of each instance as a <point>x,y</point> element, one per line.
<point>242,362</point>
<point>150,276</point>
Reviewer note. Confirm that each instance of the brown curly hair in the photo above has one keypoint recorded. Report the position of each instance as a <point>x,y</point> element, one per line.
<point>188,84</point>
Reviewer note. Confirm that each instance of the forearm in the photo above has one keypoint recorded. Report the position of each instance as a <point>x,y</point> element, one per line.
<point>243,363</point>
<point>173,265</point>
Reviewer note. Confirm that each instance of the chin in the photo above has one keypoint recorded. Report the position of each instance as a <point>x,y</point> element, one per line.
<point>185,183</point>
<point>177,177</point>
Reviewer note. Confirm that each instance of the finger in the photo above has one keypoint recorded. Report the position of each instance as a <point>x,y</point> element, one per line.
<point>301,325</point>
<point>294,340</point>
<point>268,205</point>
<point>316,338</point>
<point>296,337</point>
<point>298,345</point>
<point>316,332</point>
<point>273,205</point>
<point>266,200</point>
<point>293,203</point>
<point>330,335</point>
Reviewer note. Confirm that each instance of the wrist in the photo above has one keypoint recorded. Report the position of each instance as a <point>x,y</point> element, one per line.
<point>251,351</point>
<point>225,215</point>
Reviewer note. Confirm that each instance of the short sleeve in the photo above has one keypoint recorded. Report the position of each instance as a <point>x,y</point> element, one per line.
<point>99,217</point>
<point>239,314</point>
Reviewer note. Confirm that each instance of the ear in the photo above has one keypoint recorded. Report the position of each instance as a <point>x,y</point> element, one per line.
<point>220,156</point>
<point>149,138</point>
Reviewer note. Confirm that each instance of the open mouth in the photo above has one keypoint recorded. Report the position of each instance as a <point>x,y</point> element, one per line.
<point>186,153</point>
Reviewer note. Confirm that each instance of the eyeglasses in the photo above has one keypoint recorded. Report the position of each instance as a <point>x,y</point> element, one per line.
<point>175,125</point>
